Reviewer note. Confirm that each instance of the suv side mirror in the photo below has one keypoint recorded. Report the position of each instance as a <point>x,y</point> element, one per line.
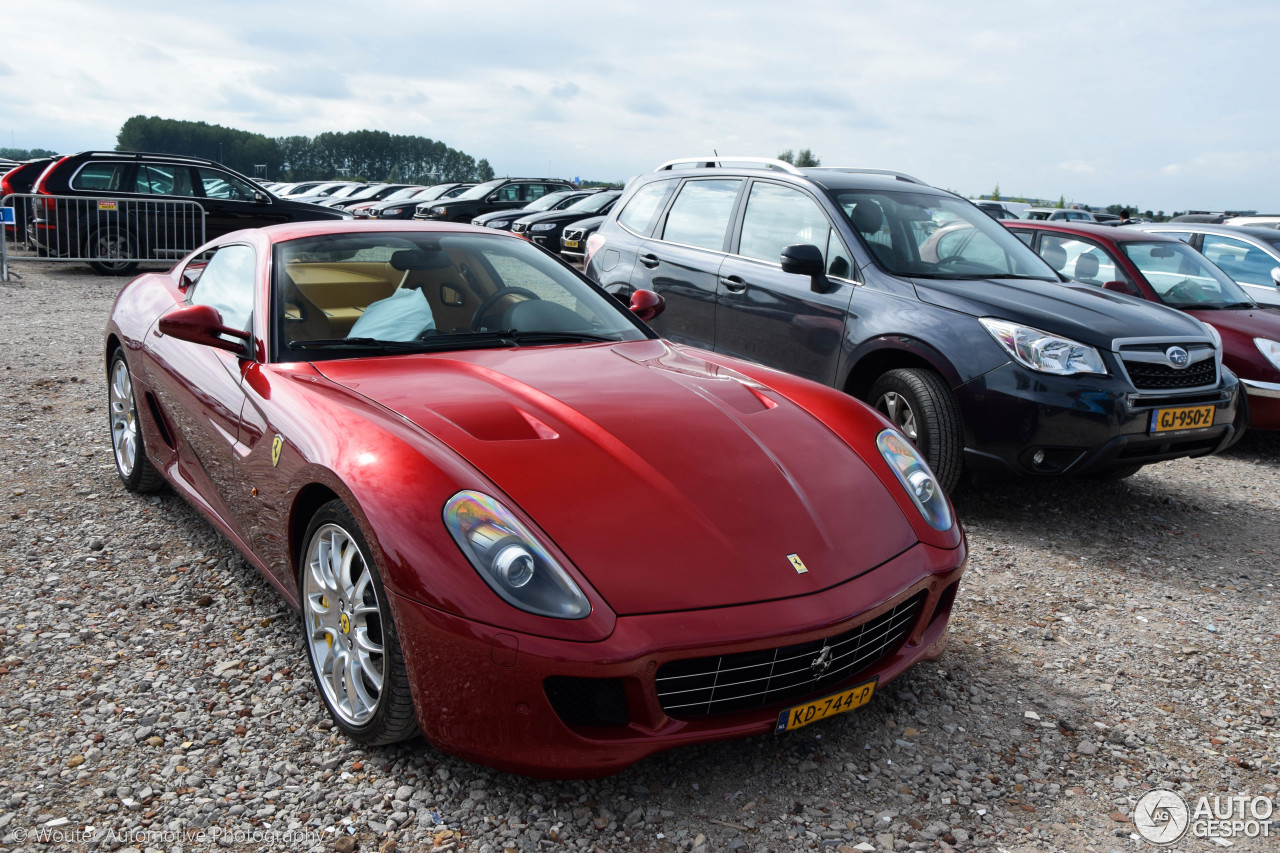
<point>1275,275</point>
<point>260,198</point>
<point>806,259</point>
<point>492,198</point>
<point>202,324</point>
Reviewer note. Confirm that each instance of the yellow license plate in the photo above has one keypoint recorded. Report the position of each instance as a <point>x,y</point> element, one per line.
<point>799,716</point>
<point>571,244</point>
<point>1186,417</point>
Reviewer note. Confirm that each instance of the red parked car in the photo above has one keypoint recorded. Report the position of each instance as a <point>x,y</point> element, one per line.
<point>1163,269</point>
<point>512,517</point>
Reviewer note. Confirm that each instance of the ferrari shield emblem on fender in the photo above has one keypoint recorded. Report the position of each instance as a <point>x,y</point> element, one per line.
<point>277,444</point>
<point>797,564</point>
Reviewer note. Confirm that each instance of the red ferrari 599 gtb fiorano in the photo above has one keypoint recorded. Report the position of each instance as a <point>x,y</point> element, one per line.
<point>511,516</point>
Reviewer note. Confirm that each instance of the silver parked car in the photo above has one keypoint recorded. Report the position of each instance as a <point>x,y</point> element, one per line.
<point>1251,256</point>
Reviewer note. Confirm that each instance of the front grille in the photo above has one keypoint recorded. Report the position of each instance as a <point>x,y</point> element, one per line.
<point>1159,377</point>
<point>574,233</point>
<point>518,227</point>
<point>701,687</point>
<point>1149,369</point>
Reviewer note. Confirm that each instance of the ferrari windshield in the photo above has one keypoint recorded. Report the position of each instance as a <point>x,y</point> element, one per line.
<point>936,236</point>
<point>362,293</point>
<point>1184,278</point>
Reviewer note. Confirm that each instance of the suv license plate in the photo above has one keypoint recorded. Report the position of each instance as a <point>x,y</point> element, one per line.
<point>571,244</point>
<point>798,716</point>
<point>1187,417</point>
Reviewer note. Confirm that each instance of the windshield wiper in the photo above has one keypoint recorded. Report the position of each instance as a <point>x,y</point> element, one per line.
<point>353,343</point>
<point>1019,276</point>
<point>559,337</point>
<point>423,345</point>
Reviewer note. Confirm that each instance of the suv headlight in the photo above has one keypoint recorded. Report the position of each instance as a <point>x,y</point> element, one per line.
<point>542,226</point>
<point>436,211</point>
<point>1042,351</point>
<point>1270,351</point>
<point>510,559</point>
<point>389,211</point>
<point>914,475</point>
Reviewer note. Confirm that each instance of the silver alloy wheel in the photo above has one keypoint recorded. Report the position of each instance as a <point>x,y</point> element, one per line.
<point>895,407</point>
<point>124,419</point>
<point>110,247</point>
<point>344,624</point>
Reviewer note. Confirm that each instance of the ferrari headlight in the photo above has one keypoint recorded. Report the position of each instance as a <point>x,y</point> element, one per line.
<point>1270,351</point>
<point>510,559</point>
<point>1042,351</point>
<point>542,226</point>
<point>914,475</point>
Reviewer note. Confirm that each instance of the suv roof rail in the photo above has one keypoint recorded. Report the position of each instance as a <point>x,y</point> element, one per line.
<point>901,176</point>
<point>713,162</point>
<point>138,155</point>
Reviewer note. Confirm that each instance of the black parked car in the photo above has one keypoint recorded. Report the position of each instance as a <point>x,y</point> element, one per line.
<point>127,206</point>
<point>500,220</point>
<point>21,179</point>
<point>573,239</point>
<point>981,355</point>
<point>498,194</point>
<point>406,208</point>
<point>545,228</point>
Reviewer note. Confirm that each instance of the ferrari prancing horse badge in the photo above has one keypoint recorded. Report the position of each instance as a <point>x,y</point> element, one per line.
<point>277,444</point>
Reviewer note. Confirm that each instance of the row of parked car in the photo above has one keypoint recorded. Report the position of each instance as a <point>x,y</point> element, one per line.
<point>1032,347</point>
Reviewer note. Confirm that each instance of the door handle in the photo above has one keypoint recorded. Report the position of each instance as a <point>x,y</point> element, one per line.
<point>733,284</point>
<point>649,261</point>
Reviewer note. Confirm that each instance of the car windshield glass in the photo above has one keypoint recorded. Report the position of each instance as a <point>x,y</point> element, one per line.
<point>480,190</point>
<point>549,201</point>
<point>347,191</point>
<point>355,294</point>
<point>1182,277</point>
<point>936,236</point>
<point>592,203</point>
<point>407,192</point>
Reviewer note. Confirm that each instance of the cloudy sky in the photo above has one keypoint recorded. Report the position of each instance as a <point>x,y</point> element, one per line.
<point>1164,105</point>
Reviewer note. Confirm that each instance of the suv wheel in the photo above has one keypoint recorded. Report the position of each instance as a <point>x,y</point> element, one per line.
<point>108,246</point>
<point>919,403</point>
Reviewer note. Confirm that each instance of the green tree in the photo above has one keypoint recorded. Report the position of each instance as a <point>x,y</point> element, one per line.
<point>26,153</point>
<point>1062,202</point>
<point>995,193</point>
<point>807,158</point>
<point>484,172</point>
<point>788,156</point>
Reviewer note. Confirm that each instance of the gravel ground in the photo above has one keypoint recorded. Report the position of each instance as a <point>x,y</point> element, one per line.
<point>1109,638</point>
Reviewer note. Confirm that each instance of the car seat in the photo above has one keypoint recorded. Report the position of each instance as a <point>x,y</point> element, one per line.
<point>1054,255</point>
<point>1087,268</point>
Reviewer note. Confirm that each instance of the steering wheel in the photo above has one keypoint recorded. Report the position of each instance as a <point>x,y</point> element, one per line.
<point>952,259</point>
<point>1189,291</point>
<point>493,298</point>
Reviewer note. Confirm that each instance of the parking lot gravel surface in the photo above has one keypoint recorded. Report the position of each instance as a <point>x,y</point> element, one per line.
<point>1110,638</point>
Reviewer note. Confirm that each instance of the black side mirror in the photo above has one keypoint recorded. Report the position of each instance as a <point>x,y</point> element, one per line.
<point>806,259</point>
<point>259,198</point>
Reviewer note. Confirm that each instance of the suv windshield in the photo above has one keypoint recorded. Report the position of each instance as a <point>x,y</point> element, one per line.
<point>1183,278</point>
<point>935,236</point>
<point>354,294</point>
<point>593,203</point>
<point>480,190</point>
<point>550,201</point>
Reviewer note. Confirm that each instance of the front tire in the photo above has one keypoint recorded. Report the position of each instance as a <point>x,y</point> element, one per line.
<point>919,403</point>
<point>109,245</point>
<point>349,634</point>
<point>130,450</point>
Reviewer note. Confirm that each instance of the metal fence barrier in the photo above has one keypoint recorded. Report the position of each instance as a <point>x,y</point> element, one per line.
<point>110,234</point>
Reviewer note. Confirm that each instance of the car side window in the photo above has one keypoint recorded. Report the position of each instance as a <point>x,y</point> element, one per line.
<point>227,284</point>
<point>778,217</point>
<point>100,176</point>
<point>1243,261</point>
<point>533,191</point>
<point>222,185</point>
<point>511,192</point>
<point>839,261</point>
<point>700,214</point>
<point>1025,236</point>
<point>157,179</point>
<point>641,208</point>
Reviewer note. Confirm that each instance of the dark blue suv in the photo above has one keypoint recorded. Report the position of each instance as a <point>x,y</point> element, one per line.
<point>914,300</point>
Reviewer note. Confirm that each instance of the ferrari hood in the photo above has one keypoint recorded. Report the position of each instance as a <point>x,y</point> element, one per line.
<point>669,482</point>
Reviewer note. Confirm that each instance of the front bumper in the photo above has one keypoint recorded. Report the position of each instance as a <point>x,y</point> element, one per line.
<point>1264,403</point>
<point>1083,424</point>
<point>481,692</point>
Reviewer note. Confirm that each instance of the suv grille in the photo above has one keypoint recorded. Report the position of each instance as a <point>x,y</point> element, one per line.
<point>574,233</point>
<point>701,687</point>
<point>518,227</point>
<point>1149,371</point>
